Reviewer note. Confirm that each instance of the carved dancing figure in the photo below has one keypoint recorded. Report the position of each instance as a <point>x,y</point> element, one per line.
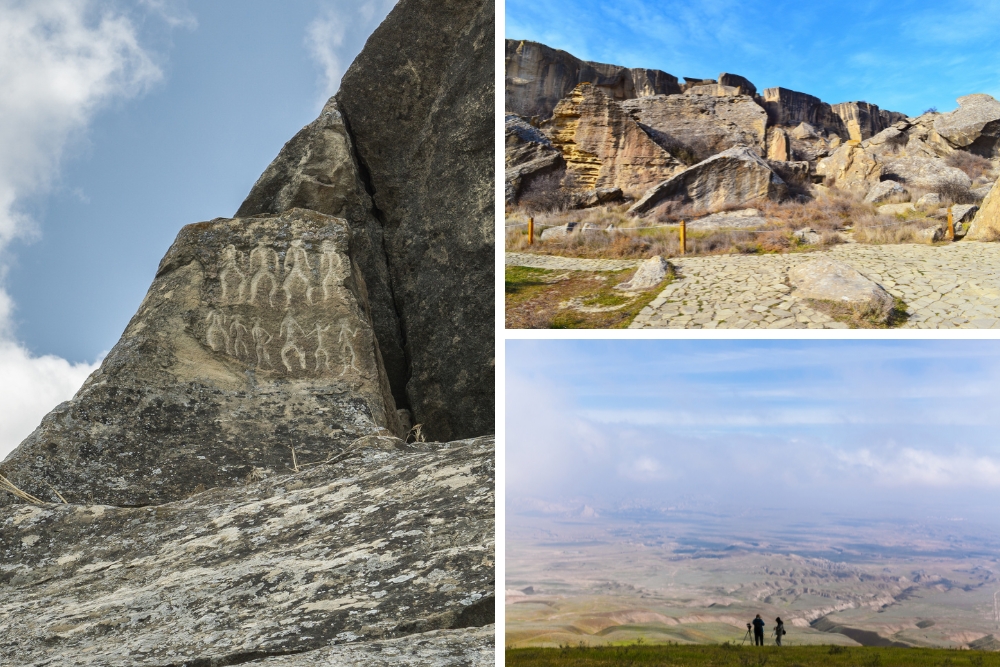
<point>260,340</point>
<point>237,331</point>
<point>263,264</point>
<point>321,346</point>
<point>347,348</point>
<point>231,260</point>
<point>217,336</point>
<point>297,268</point>
<point>288,327</point>
<point>331,268</point>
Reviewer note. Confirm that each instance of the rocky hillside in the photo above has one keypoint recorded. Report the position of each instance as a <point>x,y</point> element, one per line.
<point>278,463</point>
<point>584,134</point>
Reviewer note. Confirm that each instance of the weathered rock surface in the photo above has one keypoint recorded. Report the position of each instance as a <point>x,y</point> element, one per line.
<point>986,225</point>
<point>963,212</point>
<point>316,170</point>
<point>931,199</point>
<point>884,191</point>
<point>829,280</point>
<point>603,147</point>
<point>254,338</point>
<point>926,173</point>
<point>419,103</point>
<point>974,126</point>
<point>796,173</point>
<point>896,209</point>
<point>537,77</point>
<point>862,120</point>
<point>528,153</point>
<point>852,168</point>
<point>733,177</point>
<point>788,107</point>
<point>697,127</point>
<point>649,274</point>
<point>389,541</point>
<point>778,145</point>
<point>737,81</point>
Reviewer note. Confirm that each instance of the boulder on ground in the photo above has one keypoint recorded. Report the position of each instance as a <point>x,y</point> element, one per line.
<point>597,197</point>
<point>649,274</point>
<point>963,212</point>
<point>986,225</point>
<point>538,76</point>
<point>896,209</point>
<point>931,199</point>
<point>829,280</point>
<point>931,234</point>
<point>981,193</point>
<point>797,173</point>
<point>927,173</point>
<point>527,153</point>
<point>851,168</point>
<point>696,127</point>
<point>974,126</point>
<point>807,235</point>
<point>731,178</point>
<point>884,191</point>
<point>603,147</point>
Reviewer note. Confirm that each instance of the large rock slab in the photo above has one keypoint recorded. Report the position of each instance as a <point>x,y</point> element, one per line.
<point>733,177</point>
<point>852,168</point>
<point>927,173</point>
<point>254,338</point>
<point>538,76</point>
<point>603,147</point>
<point>697,127</point>
<point>974,126</point>
<point>829,280</point>
<point>317,170</point>
<point>791,108</point>
<point>986,225</point>
<point>862,120</point>
<point>527,153</point>
<point>419,103</point>
<point>336,562</point>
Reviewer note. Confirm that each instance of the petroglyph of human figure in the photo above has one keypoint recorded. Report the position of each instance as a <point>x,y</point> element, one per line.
<point>260,340</point>
<point>347,348</point>
<point>231,273</point>
<point>331,269</point>
<point>321,346</point>
<point>297,268</point>
<point>288,327</point>
<point>237,330</point>
<point>263,265</point>
<point>217,336</point>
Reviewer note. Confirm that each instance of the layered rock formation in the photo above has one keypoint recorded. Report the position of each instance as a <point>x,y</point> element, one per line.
<point>851,168</point>
<point>862,120</point>
<point>974,126</point>
<point>248,322</point>
<point>391,540</point>
<point>603,147</point>
<point>733,177</point>
<point>538,76</point>
<point>697,127</point>
<point>419,103</point>
<point>528,153</point>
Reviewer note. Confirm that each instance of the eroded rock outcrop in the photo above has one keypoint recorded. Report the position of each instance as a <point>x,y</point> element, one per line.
<point>603,147</point>
<point>696,127</point>
<point>829,280</point>
<point>527,153</point>
<point>733,177</point>
<point>388,541</point>
<point>986,225</point>
<point>538,76</point>
<point>254,338</point>
<point>852,168</point>
<point>419,104</point>
<point>974,126</point>
<point>862,120</point>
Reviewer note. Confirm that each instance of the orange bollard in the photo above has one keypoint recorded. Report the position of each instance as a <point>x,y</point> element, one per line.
<point>531,231</point>
<point>683,237</point>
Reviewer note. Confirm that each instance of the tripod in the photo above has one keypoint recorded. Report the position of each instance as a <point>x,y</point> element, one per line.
<point>746,636</point>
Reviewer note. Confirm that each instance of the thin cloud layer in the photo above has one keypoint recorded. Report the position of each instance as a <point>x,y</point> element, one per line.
<point>61,61</point>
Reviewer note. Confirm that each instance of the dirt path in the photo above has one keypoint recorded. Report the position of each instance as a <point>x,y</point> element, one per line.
<point>947,286</point>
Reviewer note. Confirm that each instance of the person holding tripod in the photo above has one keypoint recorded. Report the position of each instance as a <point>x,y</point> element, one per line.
<point>758,631</point>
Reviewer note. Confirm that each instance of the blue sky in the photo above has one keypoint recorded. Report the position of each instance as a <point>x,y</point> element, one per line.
<point>906,428</point>
<point>122,121</point>
<point>905,56</point>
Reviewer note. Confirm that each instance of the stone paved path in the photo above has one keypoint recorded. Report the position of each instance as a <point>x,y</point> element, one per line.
<point>944,287</point>
<point>557,263</point>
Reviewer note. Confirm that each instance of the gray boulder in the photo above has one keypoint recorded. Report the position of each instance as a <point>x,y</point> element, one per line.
<point>649,274</point>
<point>884,191</point>
<point>253,339</point>
<point>980,193</point>
<point>807,235</point>
<point>527,153</point>
<point>419,102</point>
<point>896,209</point>
<point>974,126</point>
<point>962,213</point>
<point>926,173</point>
<point>931,234</point>
<point>929,200</point>
<point>828,280</point>
<point>734,177</point>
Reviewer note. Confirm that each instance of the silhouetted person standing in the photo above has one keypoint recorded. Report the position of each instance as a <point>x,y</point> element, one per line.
<point>758,631</point>
<point>779,630</point>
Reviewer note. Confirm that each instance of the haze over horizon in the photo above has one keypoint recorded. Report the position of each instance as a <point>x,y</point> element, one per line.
<point>791,431</point>
<point>913,57</point>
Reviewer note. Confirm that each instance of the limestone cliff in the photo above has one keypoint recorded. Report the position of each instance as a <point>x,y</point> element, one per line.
<point>538,76</point>
<point>603,147</point>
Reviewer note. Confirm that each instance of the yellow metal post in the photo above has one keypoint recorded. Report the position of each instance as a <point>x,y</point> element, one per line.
<point>531,231</point>
<point>951,226</point>
<point>683,243</point>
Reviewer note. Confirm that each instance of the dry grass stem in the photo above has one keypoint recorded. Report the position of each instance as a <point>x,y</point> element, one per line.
<point>9,486</point>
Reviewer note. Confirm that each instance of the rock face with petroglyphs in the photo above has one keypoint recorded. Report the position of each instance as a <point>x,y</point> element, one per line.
<point>255,338</point>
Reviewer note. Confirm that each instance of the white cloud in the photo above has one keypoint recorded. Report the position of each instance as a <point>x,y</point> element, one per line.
<point>908,466</point>
<point>337,35</point>
<point>60,62</point>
